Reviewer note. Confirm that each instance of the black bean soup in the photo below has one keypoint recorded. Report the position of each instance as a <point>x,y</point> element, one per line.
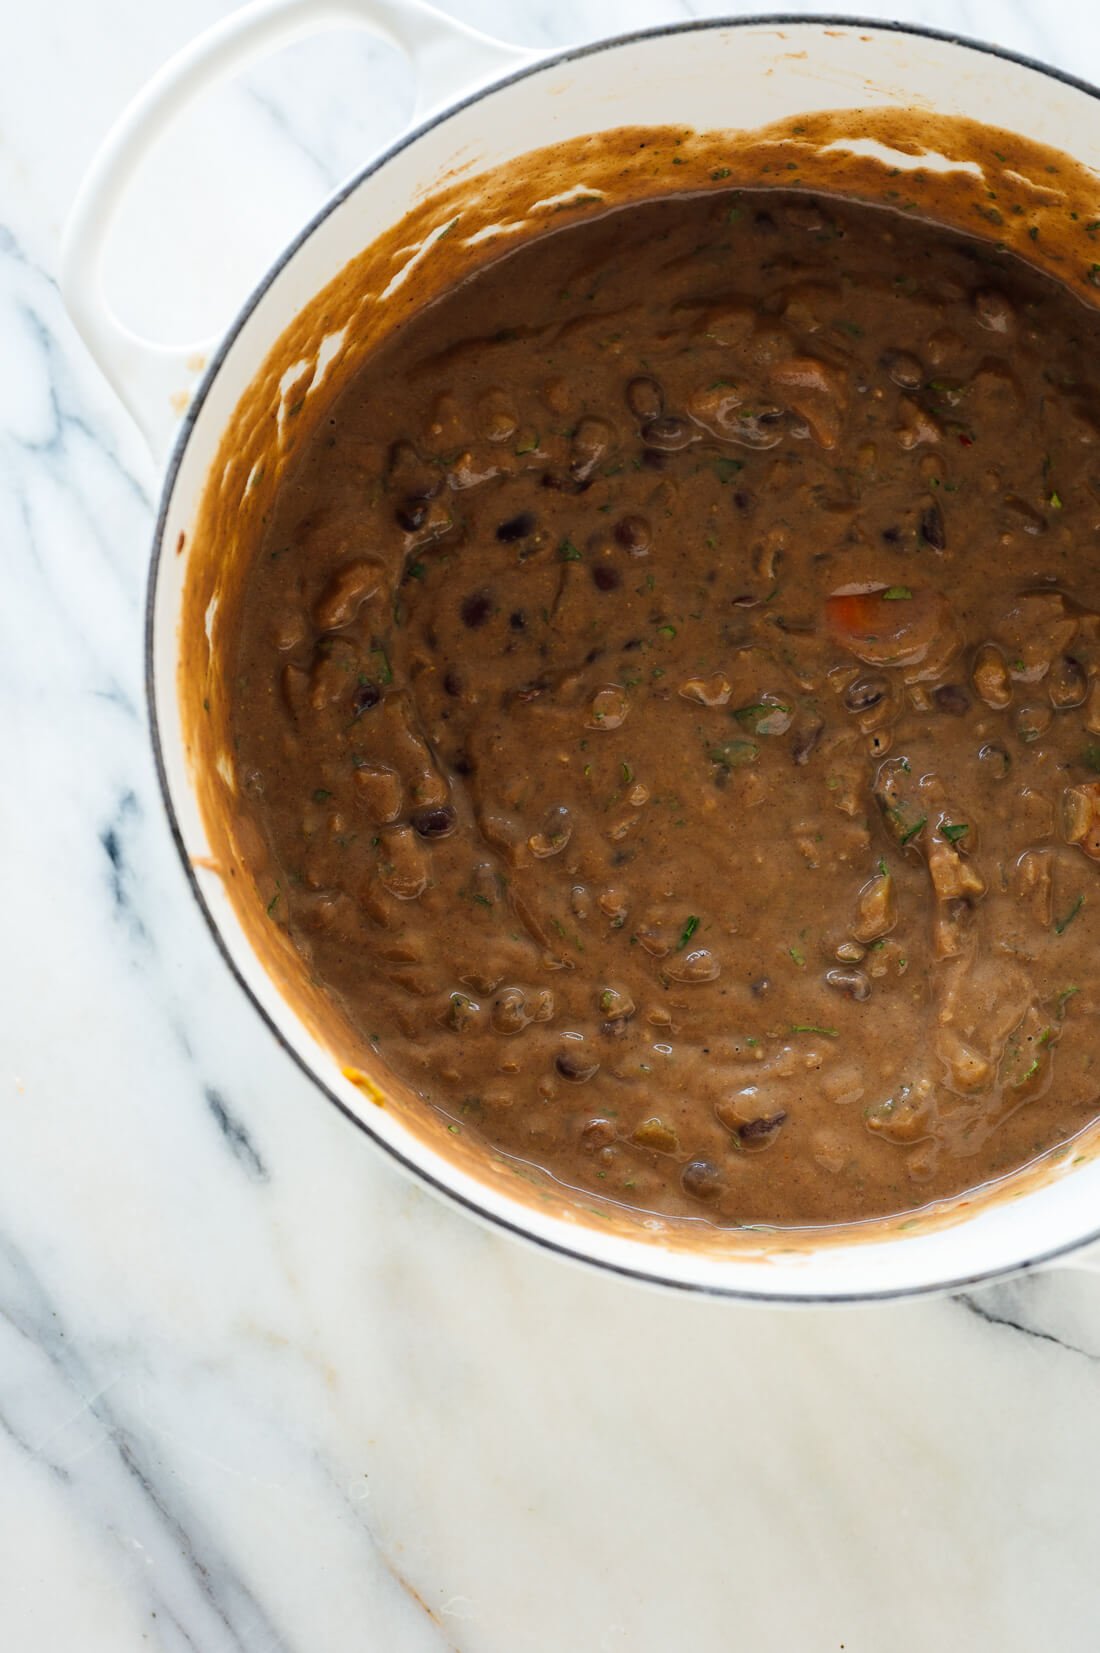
<point>669,688</point>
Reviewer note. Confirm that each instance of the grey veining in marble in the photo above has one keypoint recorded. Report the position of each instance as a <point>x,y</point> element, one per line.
<point>256,1391</point>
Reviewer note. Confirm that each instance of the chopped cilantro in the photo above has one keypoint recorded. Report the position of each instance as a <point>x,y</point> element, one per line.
<point>758,713</point>
<point>687,932</point>
<point>567,551</point>
<point>1063,924</point>
<point>954,830</point>
<point>811,1027</point>
<point>733,754</point>
<point>897,594</point>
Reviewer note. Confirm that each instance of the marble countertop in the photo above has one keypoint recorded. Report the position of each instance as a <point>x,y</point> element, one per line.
<point>257,1391</point>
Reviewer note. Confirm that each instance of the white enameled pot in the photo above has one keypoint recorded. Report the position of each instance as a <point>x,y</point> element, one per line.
<point>481,98</point>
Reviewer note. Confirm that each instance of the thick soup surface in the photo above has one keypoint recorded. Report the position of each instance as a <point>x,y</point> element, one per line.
<point>670,689</point>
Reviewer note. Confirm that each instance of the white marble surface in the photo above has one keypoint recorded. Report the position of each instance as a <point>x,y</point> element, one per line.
<point>256,1391</point>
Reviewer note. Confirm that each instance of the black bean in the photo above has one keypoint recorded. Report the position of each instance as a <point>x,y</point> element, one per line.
<point>576,1066</point>
<point>932,530</point>
<point>993,311</point>
<point>435,823</point>
<point>633,533</point>
<point>852,983</point>
<point>632,644</point>
<point>644,398</point>
<point>366,695</point>
<point>462,765</point>
<point>592,441</point>
<point>742,500</point>
<point>595,653</point>
<point>476,609</point>
<point>516,528</point>
<point>408,474</point>
<point>652,460</point>
<point>605,577</point>
<point>411,515</point>
<point>452,682</point>
<point>903,368</point>
<point>950,698</point>
<point>764,222</point>
<point>864,693</point>
<point>597,1134</point>
<point>667,433</point>
<point>701,1179</point>
<point>995,760</point>
<point>761,1130</point>
<point>805,743</point>
<point>566,484</point>
<point>1024,516</point>
<point>1067,684</point>
<point>891,535</point>
<point>517,620</point>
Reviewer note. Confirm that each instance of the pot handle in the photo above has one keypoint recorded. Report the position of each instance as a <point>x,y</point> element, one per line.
<point>153,379</point>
